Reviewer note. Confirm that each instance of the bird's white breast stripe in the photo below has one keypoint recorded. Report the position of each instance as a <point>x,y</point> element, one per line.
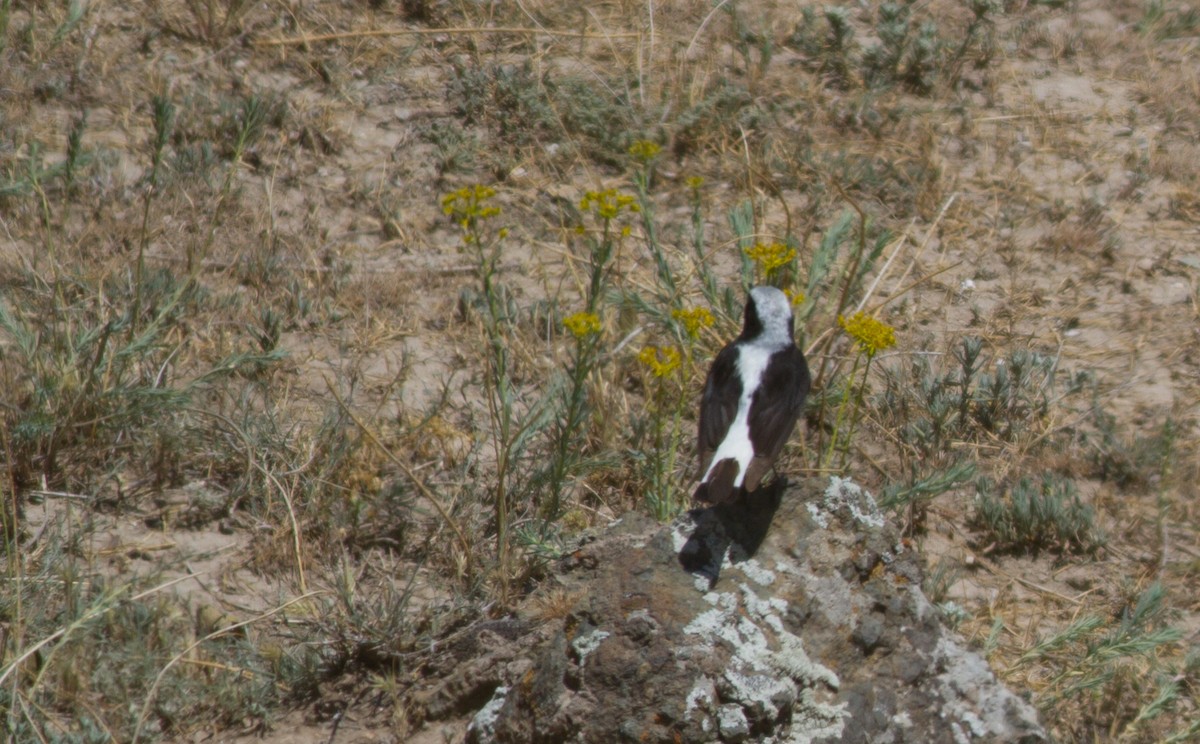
<point>751,364</point>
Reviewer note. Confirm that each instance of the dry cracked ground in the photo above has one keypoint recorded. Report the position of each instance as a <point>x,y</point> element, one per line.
<point>271,422</point>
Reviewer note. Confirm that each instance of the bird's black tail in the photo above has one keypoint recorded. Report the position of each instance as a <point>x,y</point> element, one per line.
<point>719,487</point>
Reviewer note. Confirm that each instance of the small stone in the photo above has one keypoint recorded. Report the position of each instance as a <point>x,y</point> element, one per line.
<point>732,723</point>
<point>866,636</point>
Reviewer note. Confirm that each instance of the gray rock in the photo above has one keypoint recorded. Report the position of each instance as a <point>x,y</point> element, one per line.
<point>732,723</point>
<point>796,617</point>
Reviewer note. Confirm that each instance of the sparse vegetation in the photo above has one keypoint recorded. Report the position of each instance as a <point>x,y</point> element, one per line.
<point>320,335</point>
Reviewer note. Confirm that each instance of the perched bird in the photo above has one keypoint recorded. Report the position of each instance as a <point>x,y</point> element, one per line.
<point>752,398</point>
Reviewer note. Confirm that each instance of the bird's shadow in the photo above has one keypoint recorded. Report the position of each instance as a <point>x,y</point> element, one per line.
<point>737,528</point>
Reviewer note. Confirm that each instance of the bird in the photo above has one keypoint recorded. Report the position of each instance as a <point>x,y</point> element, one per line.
<point>753,396</point>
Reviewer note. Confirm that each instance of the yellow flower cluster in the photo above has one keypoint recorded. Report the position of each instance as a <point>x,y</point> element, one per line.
<point>469,203</point>
<point>644,151</point>
<point>771,256</point>
<point>582,325</point>
<point>607,204</point>
<point>662,360</point>
<point>871,335</point>
<point>796,297</point>
<point>693,319</point>
<point>694,182</point>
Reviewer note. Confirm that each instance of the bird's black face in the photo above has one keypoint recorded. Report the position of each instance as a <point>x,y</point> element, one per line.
<point>751,322</point>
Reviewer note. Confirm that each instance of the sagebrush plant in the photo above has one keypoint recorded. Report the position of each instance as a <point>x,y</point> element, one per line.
<point>973,398</point>
<point>910,52</point>
<point>1031,517</point>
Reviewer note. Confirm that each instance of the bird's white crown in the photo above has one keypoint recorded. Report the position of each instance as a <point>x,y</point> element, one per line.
<point>774,311</point>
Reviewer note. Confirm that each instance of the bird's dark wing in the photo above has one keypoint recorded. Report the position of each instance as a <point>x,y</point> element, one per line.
<point>718,405</point>
<point>774,410</point>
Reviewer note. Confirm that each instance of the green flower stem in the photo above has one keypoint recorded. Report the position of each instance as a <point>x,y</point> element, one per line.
<point>571,424</point>
<point>840,439</point>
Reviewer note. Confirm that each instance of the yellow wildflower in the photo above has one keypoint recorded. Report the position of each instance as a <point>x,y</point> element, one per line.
<point>870,334</point>
<point>693,319</point>
<point>607,204</point>
<point>644,151</point>
<point>582,325</point>
<point>771,256</point>
<point>796,297</point>
<point>694,182</point>
<point>662,360</point>
<point>469,203</point>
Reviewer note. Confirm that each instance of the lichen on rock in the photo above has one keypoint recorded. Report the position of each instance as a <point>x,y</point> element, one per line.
<point>737,623</point>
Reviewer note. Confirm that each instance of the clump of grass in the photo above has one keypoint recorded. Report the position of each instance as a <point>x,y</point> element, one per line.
<point>933,410</point>
<point>1166,22</point>
<point>86,390</point>
<point>828,44</point>
<point>1132,462</point>
<point>79,649</point>
<point>212,22</point>
<point>1111,679</point>
<point>457,148</point>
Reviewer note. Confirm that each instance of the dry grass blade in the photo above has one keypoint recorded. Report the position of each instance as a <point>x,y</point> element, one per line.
<point>449,31</point>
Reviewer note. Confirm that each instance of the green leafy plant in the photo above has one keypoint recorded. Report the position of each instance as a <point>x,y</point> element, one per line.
<point>1032,517</point>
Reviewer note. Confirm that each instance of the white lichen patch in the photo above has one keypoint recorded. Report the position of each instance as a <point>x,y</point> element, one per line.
<point>769,672</point>
<point>818,516</point>
<point>483,725</point>
<point>793,661</point>
<point>844,493</point>
<point>586,643</point>
<point>722,600</point>
<point>702,697</point>
<point>814,720</point>
<point>769,610</point>
<point>759,692</point>
<point>732,723</point>
<point>977,708</point>
<point>757,572</point>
